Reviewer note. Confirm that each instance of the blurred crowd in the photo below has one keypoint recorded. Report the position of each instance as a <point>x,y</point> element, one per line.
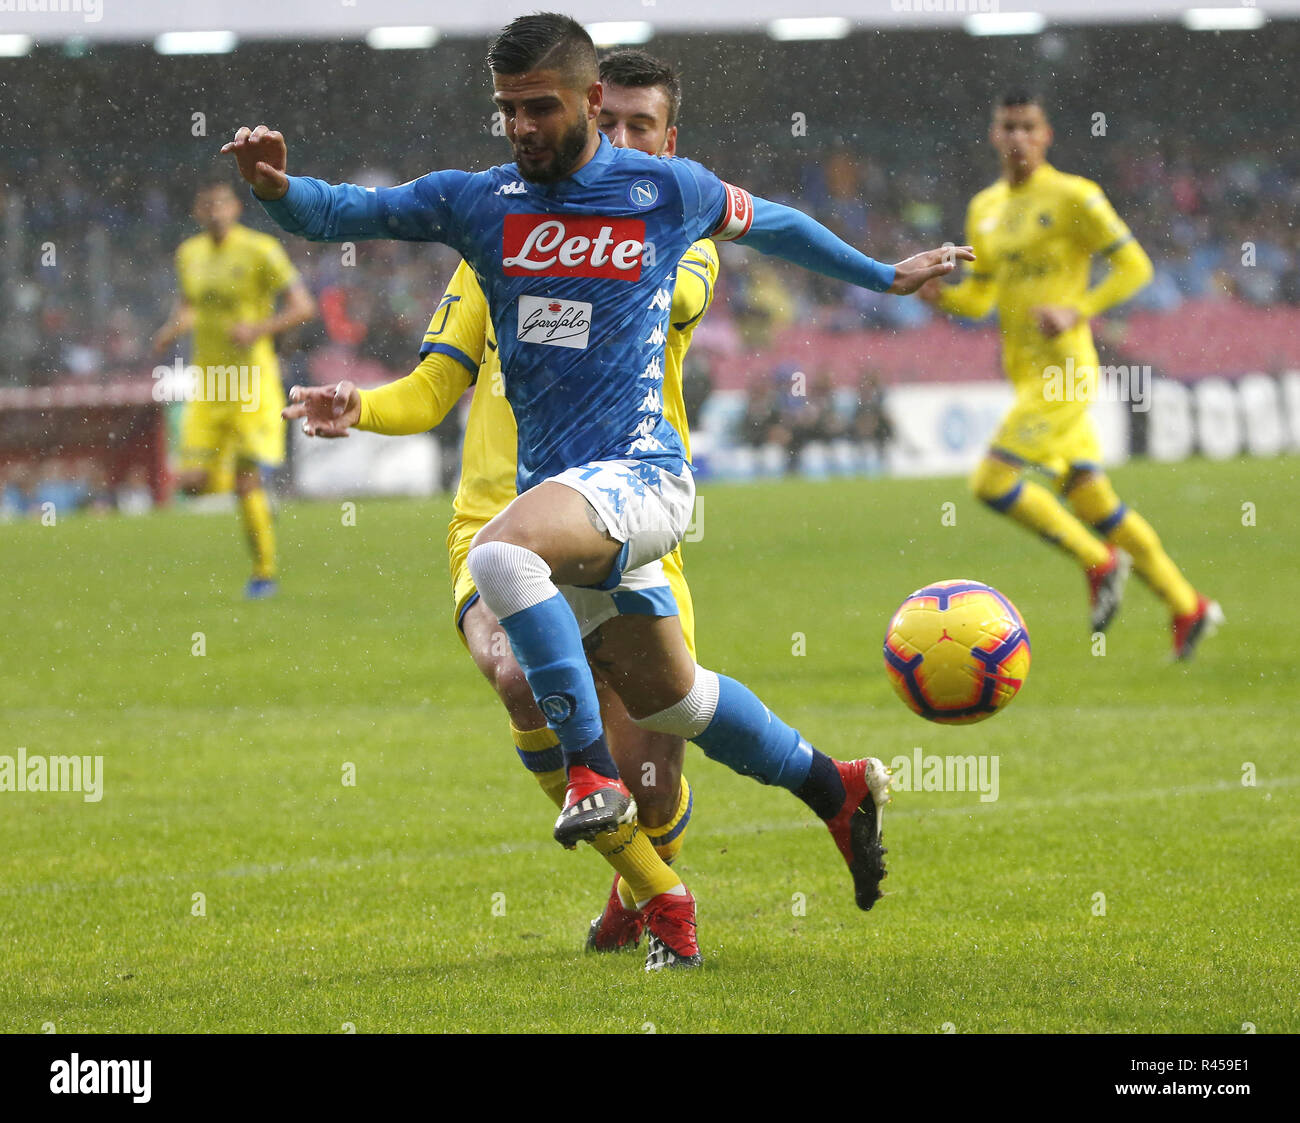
<point>58,486</point>
<point>92,207</point>
<point>1215,229</point>
<point>792,422</point>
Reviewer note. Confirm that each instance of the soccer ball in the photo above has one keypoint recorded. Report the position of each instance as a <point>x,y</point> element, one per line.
<point>957,651</point>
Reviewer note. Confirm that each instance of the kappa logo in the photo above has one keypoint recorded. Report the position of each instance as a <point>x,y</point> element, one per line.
<point>516,188</point>
<point>643,194</point>
<point>550,245</point>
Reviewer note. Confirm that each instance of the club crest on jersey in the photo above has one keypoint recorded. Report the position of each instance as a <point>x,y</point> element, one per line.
<point>553,322</point>
<point>643,194</point>
<point>550,245</point>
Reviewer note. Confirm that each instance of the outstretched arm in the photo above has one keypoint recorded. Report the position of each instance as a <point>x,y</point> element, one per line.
<point>790,234</point>
<point>323,212</point>
<point>414,404</point>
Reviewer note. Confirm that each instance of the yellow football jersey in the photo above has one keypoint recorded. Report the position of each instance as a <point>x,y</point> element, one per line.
<point>1033,245</point>
<point>234,282</point>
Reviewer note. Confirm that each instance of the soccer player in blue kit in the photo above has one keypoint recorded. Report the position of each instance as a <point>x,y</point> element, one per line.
<point>575,245</point>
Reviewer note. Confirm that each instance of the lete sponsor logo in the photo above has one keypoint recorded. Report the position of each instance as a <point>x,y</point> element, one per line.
<point>554,322</point>
<point>548,245</point>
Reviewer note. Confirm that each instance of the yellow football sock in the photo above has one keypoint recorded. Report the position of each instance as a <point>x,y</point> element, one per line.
<point>626,895</point>
<point>1003,488</point>
<point>1135,535</point>
<point>1096,502</point>
<point>643,873</point>
<point>540,751</point>
<point>256,510</point>
<point>668,838</point>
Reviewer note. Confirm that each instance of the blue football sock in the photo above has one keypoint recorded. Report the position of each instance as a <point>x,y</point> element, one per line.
<point>548,645</point>
<point>748,738</point>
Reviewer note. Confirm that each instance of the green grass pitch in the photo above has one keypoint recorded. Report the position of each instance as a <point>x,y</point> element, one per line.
<point>429,896</point>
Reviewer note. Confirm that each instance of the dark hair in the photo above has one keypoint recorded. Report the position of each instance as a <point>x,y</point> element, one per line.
<point>637,69</point>
<point>1018,96</point>
<point>545,40</point>
<point>217,181</point>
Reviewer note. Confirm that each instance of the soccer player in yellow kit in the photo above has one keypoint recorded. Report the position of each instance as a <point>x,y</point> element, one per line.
<point>230,277</point>
<point>1035,232</point>
<point>641,101</point>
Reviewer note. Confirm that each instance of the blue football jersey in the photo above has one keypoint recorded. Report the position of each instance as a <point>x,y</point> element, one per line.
<point>579,277</point>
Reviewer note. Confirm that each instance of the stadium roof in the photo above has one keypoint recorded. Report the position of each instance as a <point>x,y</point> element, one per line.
<point>143,20</point>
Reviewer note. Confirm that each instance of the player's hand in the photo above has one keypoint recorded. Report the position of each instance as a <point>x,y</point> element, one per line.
<point>262,158</point>
<point>326,411</point>
<point>911,274</point>
<point>245,335</point>
<point>931,291</point>
<point>1054,319</point>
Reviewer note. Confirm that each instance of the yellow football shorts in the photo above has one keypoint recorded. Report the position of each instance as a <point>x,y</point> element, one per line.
<point>1056,437</point>
<point>213,434</point>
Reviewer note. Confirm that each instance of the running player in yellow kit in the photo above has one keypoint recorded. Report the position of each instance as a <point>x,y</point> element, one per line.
<point>230,277</point>
<point>642,96</point>
<point>1035,233</point>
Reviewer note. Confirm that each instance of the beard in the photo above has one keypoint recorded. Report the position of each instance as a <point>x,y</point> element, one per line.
<point>564,157</point>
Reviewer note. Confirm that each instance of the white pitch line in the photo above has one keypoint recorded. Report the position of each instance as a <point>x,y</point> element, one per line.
<point>1131,795</point>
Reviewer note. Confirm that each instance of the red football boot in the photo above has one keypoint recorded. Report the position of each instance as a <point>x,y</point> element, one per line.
<point>593,804</point>
<point>670,918</point>
<point>1106,588</point>
<point>856,829</point>
<point>618,927</point>
<point>1189,630</point>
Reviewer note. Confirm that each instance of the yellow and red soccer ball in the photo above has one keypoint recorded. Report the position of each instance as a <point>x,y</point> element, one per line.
<point>957,651</point>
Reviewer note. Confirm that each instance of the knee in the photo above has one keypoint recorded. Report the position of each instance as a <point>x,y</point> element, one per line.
<point>994,481</point>
<point>690,716</point>
<point>1093,500</point>
<point>492,563</point>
